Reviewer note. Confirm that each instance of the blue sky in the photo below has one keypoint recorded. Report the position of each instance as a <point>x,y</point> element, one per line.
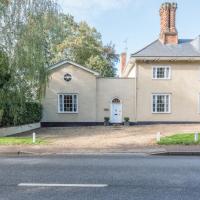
<point>136,21</point>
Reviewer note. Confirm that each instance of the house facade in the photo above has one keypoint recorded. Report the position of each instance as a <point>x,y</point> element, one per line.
<point>76,95</point>
<point>159,84</point>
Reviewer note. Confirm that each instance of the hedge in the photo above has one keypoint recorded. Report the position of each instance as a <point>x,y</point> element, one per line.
<point>29,113</point>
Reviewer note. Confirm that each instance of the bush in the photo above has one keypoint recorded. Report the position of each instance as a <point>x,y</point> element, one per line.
<point>29,113</point>
<point>106,119</point>
<point>32,113</point>
<point>126,119</point>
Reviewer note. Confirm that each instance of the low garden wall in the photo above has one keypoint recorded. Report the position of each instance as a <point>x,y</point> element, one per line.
<point>18,129</point>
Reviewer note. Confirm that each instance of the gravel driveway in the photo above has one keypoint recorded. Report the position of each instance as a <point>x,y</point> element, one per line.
<point>100,138</point>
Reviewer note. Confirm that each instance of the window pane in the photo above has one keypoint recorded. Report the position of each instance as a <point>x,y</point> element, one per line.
<point>154,72</point>
<point>60,103</point>
<point>65,103</point>
<point>154,103</point>
<point>75,103</point>
<point>167,103</point>
<point>160,72</point>
<point>160,104</point>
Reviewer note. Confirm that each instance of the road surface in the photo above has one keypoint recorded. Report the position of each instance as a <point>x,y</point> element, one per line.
<point>95,177</point>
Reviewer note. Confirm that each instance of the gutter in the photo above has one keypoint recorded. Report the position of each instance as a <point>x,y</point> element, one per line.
<point>166,58</point>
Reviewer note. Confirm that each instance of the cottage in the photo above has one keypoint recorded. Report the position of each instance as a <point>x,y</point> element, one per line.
<point>160,83</point>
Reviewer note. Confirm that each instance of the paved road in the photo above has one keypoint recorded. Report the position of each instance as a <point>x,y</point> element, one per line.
<point>125,177</point>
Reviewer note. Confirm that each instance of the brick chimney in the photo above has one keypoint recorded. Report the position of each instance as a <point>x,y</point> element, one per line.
<point>168,32</point>
<point>122,61</point>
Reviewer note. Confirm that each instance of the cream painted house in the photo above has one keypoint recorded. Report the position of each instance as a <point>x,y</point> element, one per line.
<point>159,84</point>
<point>77,95</point>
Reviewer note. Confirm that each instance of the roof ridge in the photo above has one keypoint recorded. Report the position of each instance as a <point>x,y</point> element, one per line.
<point>144,47</point>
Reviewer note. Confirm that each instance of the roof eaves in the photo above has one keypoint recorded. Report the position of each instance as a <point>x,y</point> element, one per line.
<point>178,58</point>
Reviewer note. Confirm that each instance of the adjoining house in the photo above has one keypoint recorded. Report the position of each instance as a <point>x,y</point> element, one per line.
<point>77,95</point>
<point>160,83</point>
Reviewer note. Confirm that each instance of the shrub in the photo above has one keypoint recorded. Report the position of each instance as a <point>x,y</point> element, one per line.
<point>126,119</point>
<point>30,112</point>
<point>106,119</point>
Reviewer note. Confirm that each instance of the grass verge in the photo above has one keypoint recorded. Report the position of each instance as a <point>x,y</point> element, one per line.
<point>20,140</point>
<point>185,139</point>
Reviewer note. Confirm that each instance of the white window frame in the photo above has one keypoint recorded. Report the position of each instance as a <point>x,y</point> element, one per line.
<point>169,105</point>
<point>58,103</point>
<point>156,68</point>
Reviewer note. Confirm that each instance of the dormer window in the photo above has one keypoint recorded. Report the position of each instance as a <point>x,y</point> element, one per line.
<point>161,72</point>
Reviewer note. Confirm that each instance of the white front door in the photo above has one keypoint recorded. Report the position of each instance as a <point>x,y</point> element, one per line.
<point>116,113</point>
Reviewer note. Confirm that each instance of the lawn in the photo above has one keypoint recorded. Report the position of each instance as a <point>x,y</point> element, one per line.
<point>19,140</point>
<point>185,139</point>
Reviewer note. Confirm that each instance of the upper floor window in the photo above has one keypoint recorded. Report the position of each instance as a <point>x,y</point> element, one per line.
<point>67,103</point>
<point>163,72</point>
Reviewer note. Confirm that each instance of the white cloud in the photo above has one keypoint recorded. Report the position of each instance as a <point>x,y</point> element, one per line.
<point>86,8</point>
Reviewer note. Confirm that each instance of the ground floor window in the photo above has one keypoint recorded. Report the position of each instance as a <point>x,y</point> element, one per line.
<point>161,103</point>
<point>67,103</point>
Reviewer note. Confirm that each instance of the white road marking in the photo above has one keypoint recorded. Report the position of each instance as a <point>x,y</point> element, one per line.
<point>61,185</point>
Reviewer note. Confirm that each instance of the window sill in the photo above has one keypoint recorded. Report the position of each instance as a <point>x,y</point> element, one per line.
<point>161,112</point>
<point>163,79</point>
<point>67,112</point>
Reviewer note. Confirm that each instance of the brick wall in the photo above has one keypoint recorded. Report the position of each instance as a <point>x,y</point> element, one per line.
<point>168,32</point>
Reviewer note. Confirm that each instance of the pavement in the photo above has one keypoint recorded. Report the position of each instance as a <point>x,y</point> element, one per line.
<point>100,177</point>
<point>59,150</point>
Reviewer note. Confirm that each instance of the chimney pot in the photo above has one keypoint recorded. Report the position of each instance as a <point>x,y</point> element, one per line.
<point>174,5</point>
<point>166,5</point>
